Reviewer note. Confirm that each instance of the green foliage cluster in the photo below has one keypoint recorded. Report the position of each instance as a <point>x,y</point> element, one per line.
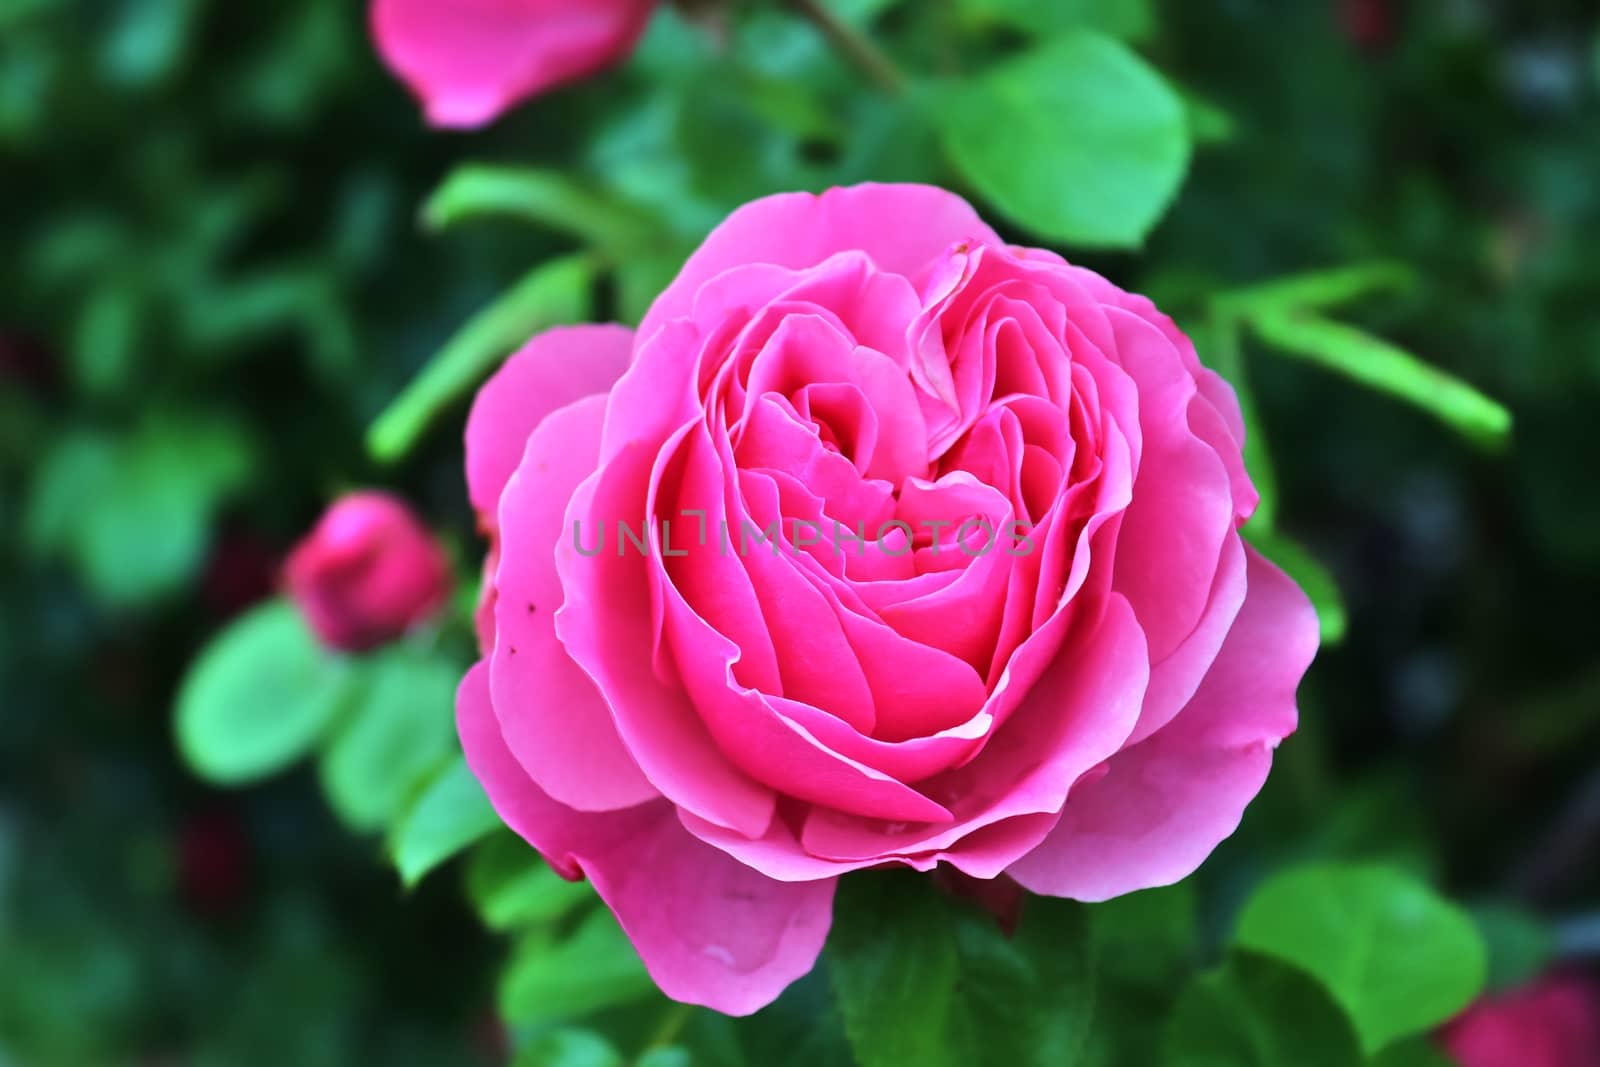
<point>257,280</point>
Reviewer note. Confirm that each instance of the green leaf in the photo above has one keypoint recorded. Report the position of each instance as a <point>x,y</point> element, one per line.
<point>512,886</point>
<point>555,293</point>
<point>1221,349</point>
<point>550,198</point>
<point>1255,1011</point>
<point>451,813</point>
<point>550,979</point>
<point>569,1048</point>
<point>1130,19</point>
<point>1312,577</point>
<point>1382,366</point>
<point>1027,999</point>
<point>1396,956</point>
<point>400,730</point>
<point>921,980</point>
<point>1520,945</point>
<point>1077,140</point>
<point>895,966</point>
<point>1317,290</point>
<point>1415,1052</point>
<point>133,513</point>
<point>259,697</point>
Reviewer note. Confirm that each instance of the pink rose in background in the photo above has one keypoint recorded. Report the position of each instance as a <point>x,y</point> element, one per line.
<point>367,572</point>
<point>468,61</point>
<point>1553,1022</point>
<point>880,542</point>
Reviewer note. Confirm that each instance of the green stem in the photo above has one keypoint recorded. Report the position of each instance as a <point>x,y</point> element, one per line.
<point>672,1024</point>
<point>856,46</point>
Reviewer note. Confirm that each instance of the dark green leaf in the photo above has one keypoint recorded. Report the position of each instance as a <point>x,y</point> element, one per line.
<point>1078,140</point>
<point>922,980</point>
<point>1397,957</point>
<point>1130,19</point>
<point>1255,1011</point>
<point>451,813</point>
<point>895,967</point>
<point>1520,945</point>
<point>259,697</point>
<point>553,294</point>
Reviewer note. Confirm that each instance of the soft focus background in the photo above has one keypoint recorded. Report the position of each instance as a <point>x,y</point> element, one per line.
<point>213,277</point>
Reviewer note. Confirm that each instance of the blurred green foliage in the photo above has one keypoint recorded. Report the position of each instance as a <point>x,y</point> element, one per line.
<point>229,246</point>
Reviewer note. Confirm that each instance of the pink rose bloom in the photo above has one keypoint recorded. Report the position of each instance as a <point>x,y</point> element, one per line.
<point>880,542</point>
<point>1553,1022</point>
<point>468,61</point>
<point>367,572</point>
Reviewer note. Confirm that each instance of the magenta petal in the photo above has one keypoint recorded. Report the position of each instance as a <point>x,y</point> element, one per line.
<point>901,227</point>
<point>553,717</point>
<point>1165,803</point>
<point>551,371</point>
<point>710,930</point>
<point>470,60</point>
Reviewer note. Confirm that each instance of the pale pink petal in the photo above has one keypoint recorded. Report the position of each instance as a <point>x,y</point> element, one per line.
<point>553,718</point>
<point>470,60</point>
<point>1164,804</point>
<point>709,929</point>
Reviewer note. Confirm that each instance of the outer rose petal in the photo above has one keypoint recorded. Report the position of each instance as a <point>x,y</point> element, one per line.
<point>550,713</point>
<point>1165,803</point>
<point>470,60</point>
<point>900,227</point>
<point>549,372</point>
<point>710,930</point>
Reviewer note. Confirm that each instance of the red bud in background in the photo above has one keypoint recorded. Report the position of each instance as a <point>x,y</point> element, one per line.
<point>1553,1022</point>
<point>367,572</point>
<point>1369,24</point>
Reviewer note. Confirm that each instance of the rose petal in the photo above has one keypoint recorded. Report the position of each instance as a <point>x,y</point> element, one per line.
<point>1164,804</point>
<point>470,60</point>
<point>553,718</point>
<point>709,929</point>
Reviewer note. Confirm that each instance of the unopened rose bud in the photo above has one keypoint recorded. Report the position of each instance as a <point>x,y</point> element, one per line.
<point>367,572</point>
<point>1552,1022</point>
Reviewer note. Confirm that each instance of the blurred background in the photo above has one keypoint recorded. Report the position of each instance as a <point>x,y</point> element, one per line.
<point>213,277</point>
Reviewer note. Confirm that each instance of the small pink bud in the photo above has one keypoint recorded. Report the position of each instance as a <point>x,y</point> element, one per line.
<point>367,572</point>
<point>1553,1022</point>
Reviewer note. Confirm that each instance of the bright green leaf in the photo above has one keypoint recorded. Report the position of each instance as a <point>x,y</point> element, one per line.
<point>1255,1011</point>
<point>399,730</point>
<point>1398,958</point>
<point>259,697</point>
<point>1313,578</point>
<point>512,885</point>
<point>550,198</point>
<point>550,979</point>
<point>1077,140</point>
<point>555,293</point>
<point>451,813</point>
<point>1382,366</point>
<point>1317,290</point>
